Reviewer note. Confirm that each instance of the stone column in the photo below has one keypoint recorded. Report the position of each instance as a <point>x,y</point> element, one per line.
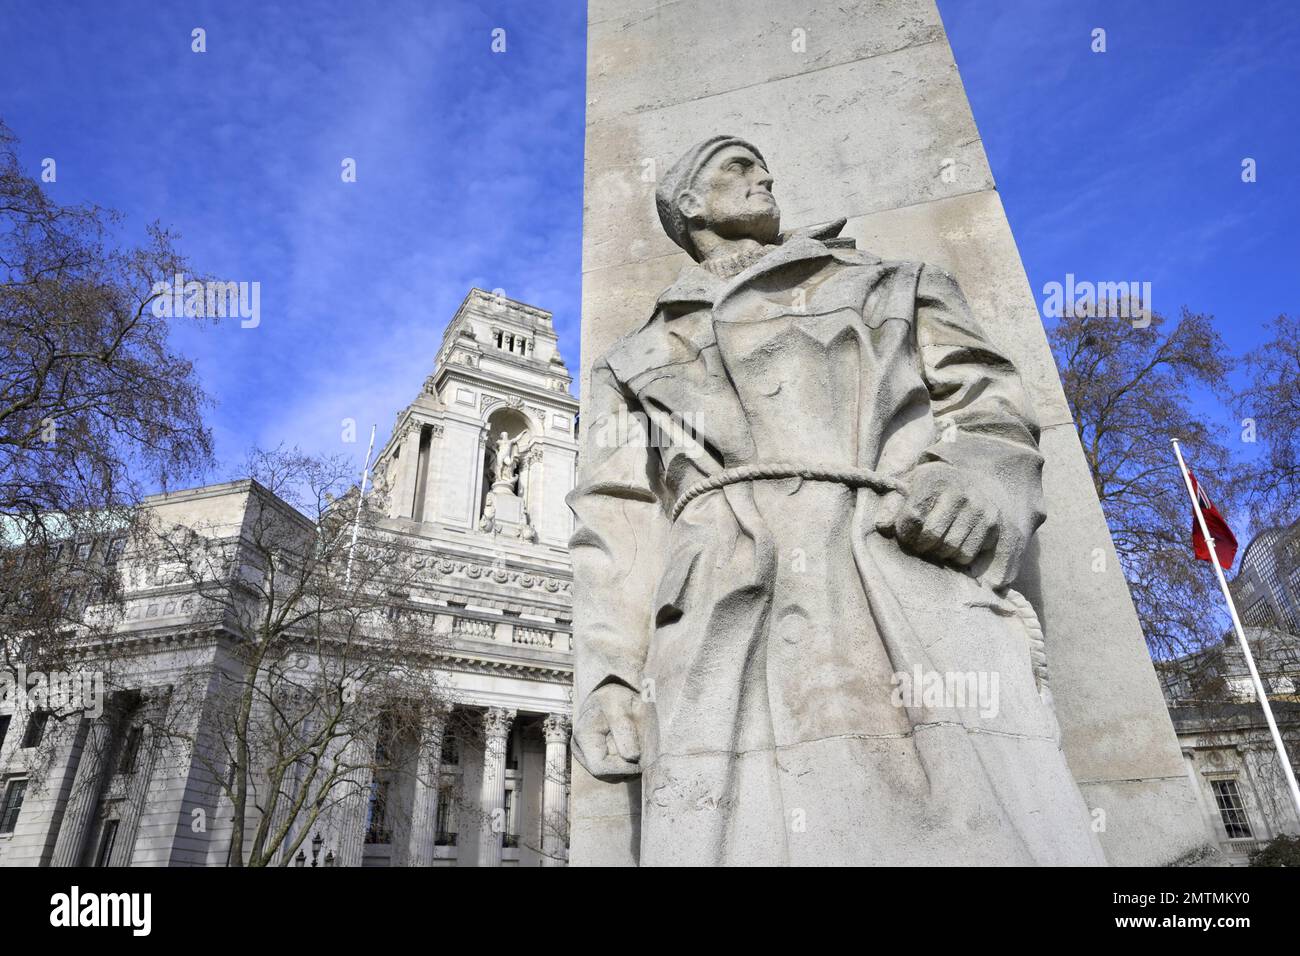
<point>496,731</point>
<point>153,709</point>
<point>354,801</point>
<point>291,784</point>
<point>87,785</point>
<point>534,501</point>
<point>555,808</point>
<point>424,809</point>
<point>478,479</point>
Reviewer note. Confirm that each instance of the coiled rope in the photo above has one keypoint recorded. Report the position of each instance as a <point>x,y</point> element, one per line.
<point>777,470</point>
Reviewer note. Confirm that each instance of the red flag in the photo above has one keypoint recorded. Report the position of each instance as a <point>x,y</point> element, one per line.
<point>1225,542</point>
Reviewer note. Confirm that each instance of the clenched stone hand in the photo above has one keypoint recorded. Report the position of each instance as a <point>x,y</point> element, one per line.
<point>943,516</point>
<point>607,731</point>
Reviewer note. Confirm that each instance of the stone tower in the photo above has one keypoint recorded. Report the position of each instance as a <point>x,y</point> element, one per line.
<point>498,372</point>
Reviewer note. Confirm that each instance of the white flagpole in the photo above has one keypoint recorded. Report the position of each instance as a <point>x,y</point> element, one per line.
<point>356,524</point>
<point>1241,635</point>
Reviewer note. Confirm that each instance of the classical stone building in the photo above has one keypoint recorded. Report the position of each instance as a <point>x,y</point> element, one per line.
<point>1227,750</point>
<point>472,482</point>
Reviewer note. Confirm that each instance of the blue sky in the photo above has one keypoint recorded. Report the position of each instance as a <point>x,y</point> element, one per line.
<point>469,166</point>
<point>1127,164</point>
<point>469,172</point>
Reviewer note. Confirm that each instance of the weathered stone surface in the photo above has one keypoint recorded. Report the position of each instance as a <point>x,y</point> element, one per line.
<point>915,94</point>
<point>878,131</point>
<point>770,44</point>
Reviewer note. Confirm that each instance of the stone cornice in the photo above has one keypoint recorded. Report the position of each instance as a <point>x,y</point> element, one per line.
<point>483,378</point>
<point>467,662</point>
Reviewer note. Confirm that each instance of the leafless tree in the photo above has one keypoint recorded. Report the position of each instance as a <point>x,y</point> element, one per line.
<point>327,678</point>
<point>1131,389</point>
<point>1270,410</point>
<point>94,407</point>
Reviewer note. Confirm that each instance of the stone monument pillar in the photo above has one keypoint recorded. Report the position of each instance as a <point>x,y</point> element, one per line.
<point>860,113</point>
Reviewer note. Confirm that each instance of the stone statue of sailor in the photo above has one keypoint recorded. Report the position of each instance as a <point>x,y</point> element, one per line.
<point>794,617</point>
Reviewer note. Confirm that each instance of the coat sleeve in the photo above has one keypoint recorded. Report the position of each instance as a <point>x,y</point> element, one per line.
<point>618,542</point>
<point>984,425</point>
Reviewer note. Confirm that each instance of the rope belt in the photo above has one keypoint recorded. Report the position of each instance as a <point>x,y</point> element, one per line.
<point>777,470</point>
<point>1013,601</point>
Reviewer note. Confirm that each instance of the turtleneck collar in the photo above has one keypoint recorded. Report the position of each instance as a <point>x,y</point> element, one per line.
<point>728,267</point>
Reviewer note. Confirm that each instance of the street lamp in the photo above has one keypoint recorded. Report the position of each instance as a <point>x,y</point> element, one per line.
<point>316,843</point>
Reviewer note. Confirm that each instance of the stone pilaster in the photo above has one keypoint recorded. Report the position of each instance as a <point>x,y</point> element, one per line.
<point>408,463</point>
<point>496,733</point>
<point>87,785</point>
<point>555,806</point>
<point>424,809</point>
<point>433,474</point>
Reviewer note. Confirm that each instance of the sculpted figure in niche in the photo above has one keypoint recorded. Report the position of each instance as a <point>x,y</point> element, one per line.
<point>795,619</point>
<point>505,458</point>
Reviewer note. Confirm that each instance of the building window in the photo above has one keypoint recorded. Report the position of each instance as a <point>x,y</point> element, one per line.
<point>1231,809</point>
<point>510,838</point>
<point>4,728</point>
<point>106,841</point>
<point>35,728</point>
<point>83,550</point>
<point>130,751</point>
<point>377,830</point>
<point>450,749</point>
<point>115,549</point>
<point>13,803</point>
<point>446,835</point>
<point>384,739</point>
<point>1259,614</point>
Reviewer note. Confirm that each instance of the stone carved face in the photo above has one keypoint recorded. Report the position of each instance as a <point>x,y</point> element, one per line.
<point>732,196</point>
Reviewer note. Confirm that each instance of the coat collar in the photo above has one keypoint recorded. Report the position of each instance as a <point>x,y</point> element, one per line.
<point>697,287</point>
